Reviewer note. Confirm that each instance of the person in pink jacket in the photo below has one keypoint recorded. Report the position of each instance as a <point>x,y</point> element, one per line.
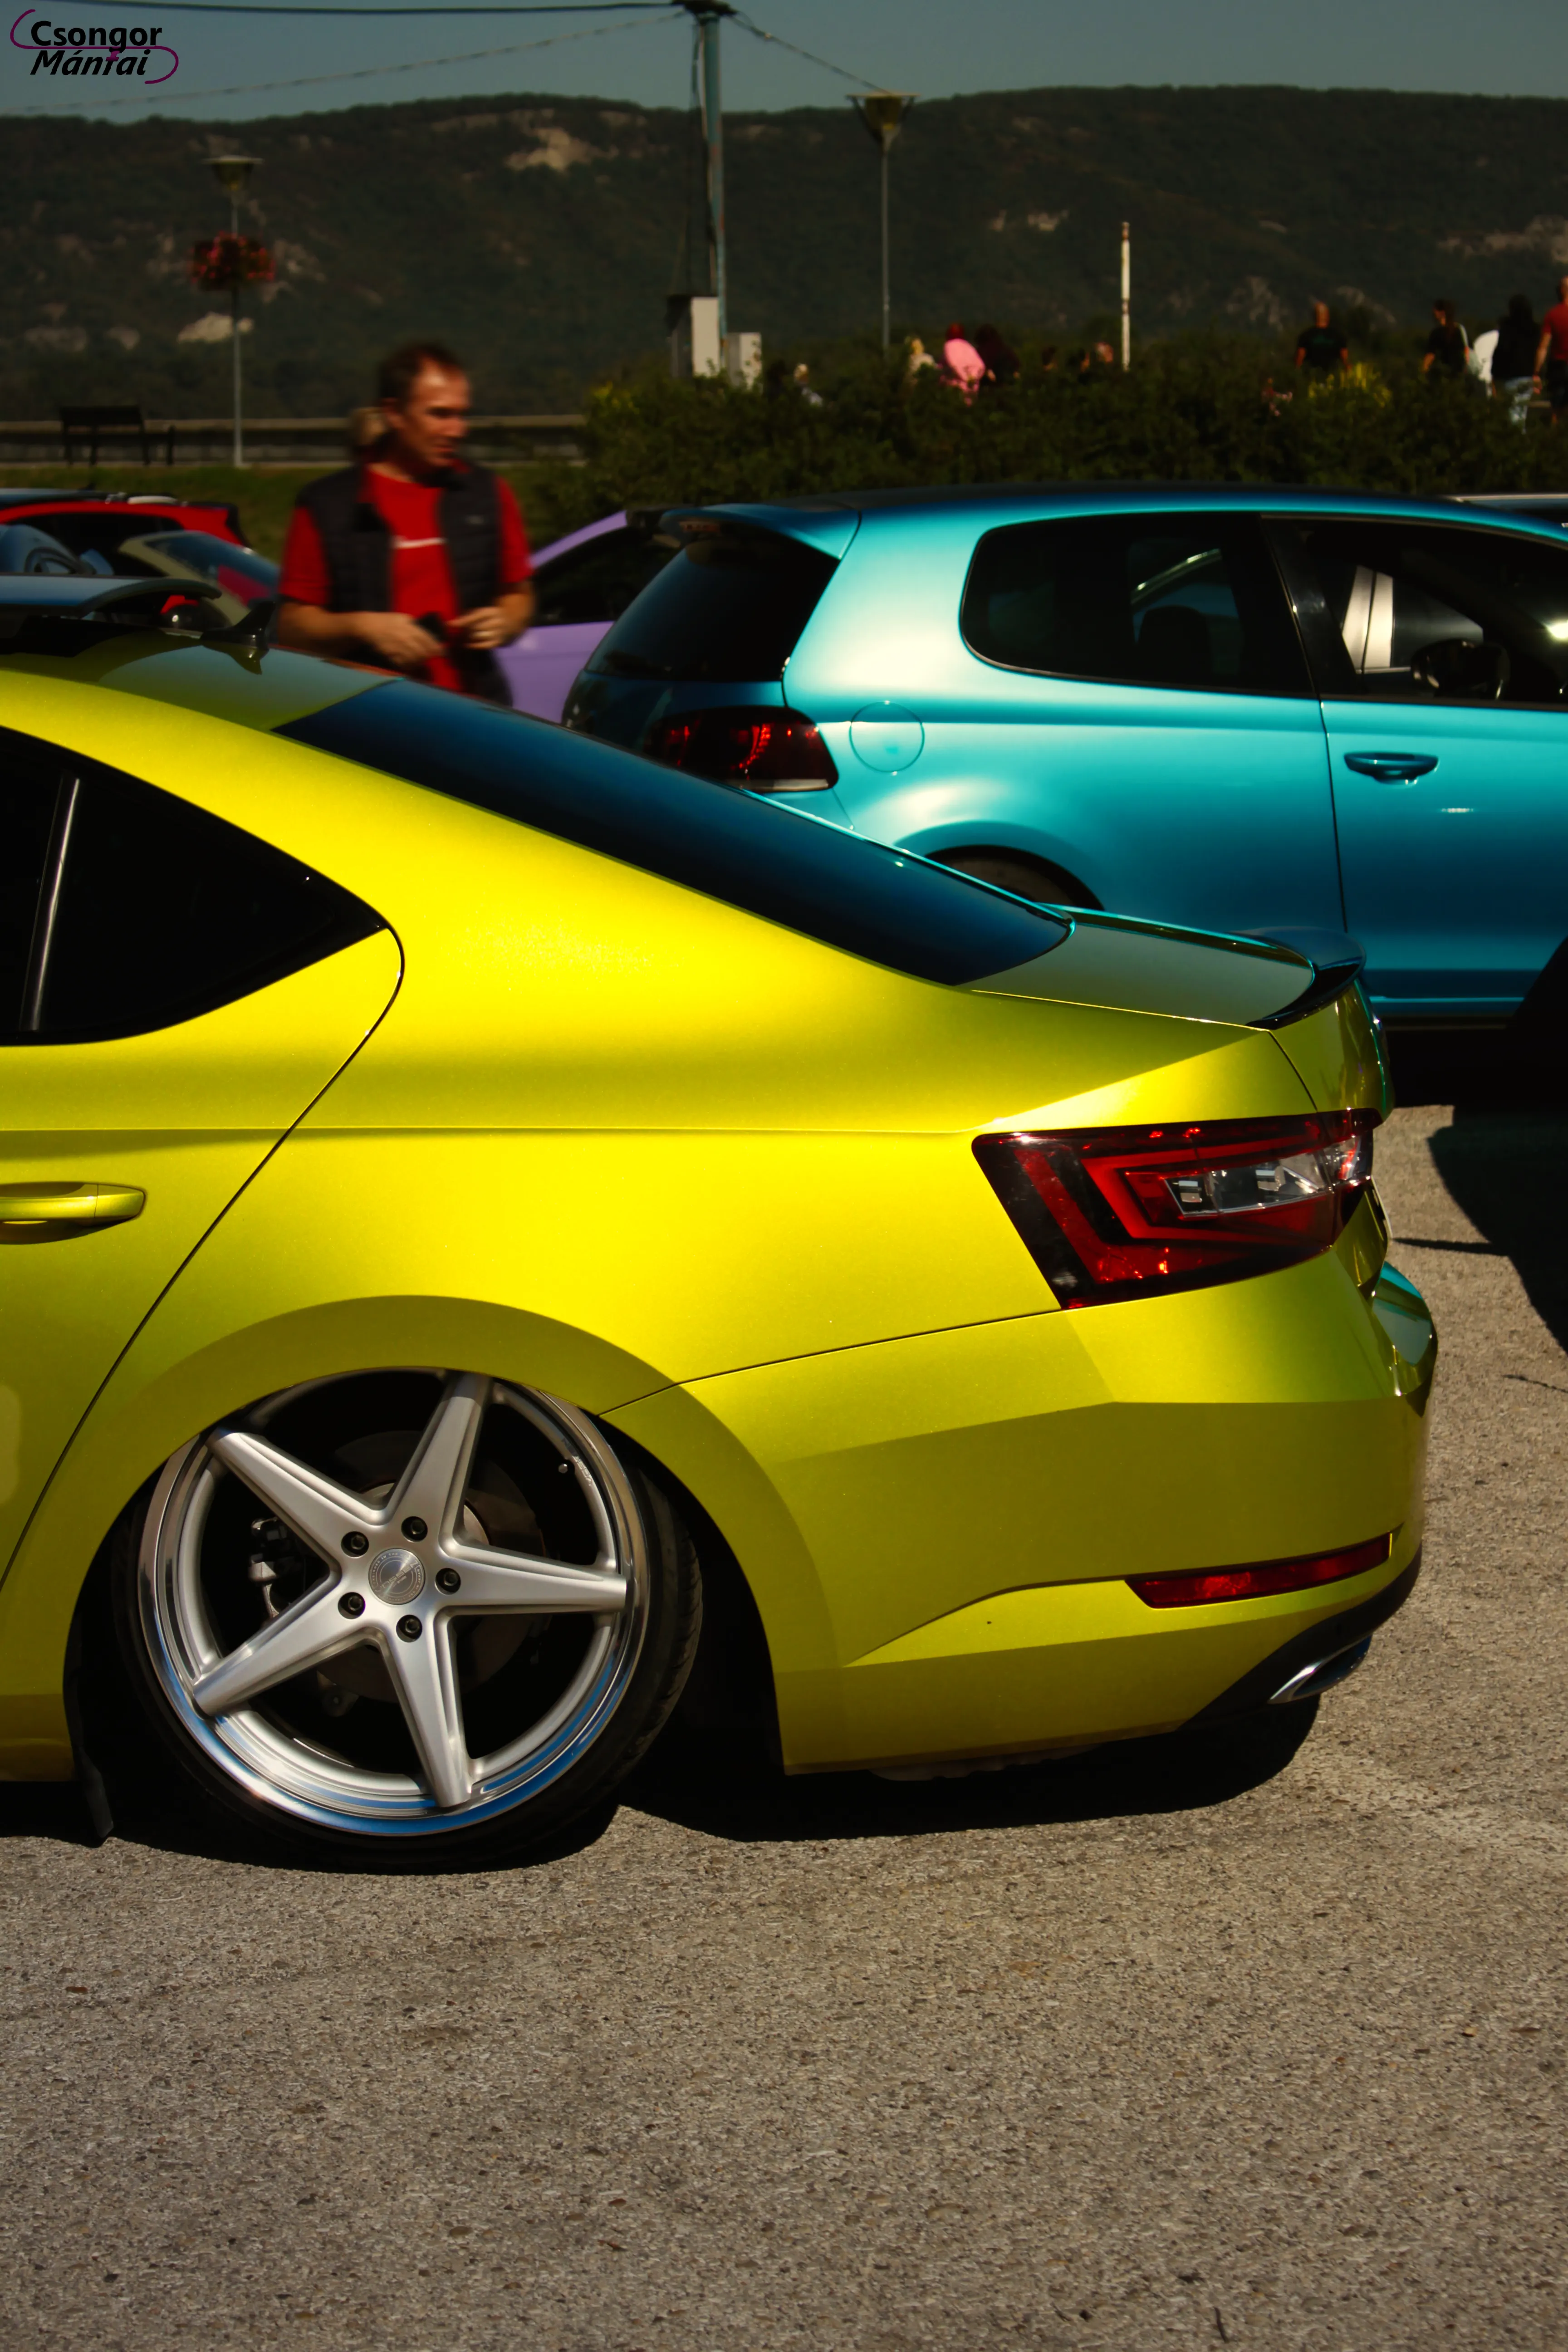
<point>961,364</point>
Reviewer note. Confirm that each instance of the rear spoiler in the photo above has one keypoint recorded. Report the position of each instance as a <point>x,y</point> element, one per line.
<point>182,608</point>
<point>1336,960</point>
<point>828,527</point>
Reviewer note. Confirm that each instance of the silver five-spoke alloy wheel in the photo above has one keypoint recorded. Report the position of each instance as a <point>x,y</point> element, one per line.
<point>396,1604</point>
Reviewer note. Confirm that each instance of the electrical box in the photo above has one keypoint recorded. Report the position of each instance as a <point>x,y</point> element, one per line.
<point>744,359</point>
<point>693,323</point>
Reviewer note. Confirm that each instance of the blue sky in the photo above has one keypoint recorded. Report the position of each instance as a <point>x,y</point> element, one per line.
<point>253,65</point>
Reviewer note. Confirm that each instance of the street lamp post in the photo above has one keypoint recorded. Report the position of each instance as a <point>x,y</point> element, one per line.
<point>233,172</point>
<point>882,112</point>
<point>708,14</point>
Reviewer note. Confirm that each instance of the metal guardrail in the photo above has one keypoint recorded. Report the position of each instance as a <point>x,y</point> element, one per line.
<point>276,440</point>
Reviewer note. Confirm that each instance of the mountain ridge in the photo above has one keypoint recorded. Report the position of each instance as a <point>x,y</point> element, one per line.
<point>541,235</point>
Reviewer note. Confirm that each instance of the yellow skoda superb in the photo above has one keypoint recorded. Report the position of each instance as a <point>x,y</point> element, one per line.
<point>491,1229</point>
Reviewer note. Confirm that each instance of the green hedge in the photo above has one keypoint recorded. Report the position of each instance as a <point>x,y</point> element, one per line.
<point>1191,410</point>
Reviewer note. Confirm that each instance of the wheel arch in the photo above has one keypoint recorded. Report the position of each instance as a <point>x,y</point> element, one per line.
<point>731,1685</point>
<point>158,1399</point>
<point>1061,881</point>
<point>1053,869</point>
<point>148,1410</point>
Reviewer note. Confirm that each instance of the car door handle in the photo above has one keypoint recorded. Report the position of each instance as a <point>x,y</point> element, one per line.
<point>1392,767</point>
<point>70,1205</point>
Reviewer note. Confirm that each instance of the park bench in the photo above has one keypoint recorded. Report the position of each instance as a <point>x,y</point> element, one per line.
<point>92,422</point>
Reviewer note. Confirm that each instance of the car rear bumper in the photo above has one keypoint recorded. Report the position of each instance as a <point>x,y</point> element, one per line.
<point>938,1531</point>
<point>1286,1673</point>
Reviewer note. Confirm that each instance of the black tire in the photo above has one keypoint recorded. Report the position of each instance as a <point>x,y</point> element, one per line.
<point>559,1702</point>
<point>1027,878</point>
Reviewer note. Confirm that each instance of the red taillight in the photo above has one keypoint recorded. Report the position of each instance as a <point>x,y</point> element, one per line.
<point>1125,1212</point>
<point>764,749</point>
<point>1186,1591</point>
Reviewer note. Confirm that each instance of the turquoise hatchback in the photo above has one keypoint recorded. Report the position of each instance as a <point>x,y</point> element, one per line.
<point>1240,711</point>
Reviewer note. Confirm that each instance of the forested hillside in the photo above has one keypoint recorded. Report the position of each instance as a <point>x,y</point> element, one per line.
<point>542,237</point>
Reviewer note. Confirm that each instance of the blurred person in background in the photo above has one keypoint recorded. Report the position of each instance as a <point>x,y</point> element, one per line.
<point>1092,363</point>
<point>1322,348</point>
<point>367,431</point>
<point>806,390</point>
<point>1001,359</point>
<point>1551,352</point>
<point>412,557</point>
<point>1513,357</point>
<point>961,362</point>
<point>1448,352</point>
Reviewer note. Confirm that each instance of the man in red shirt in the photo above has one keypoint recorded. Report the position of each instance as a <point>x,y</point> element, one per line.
<point>413,559</point>
<point>1553,354</point>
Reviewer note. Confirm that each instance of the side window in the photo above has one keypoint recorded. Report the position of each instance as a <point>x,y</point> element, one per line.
<point>126,909</point>
<point>26,817</point>
<point>1397,611</point>
<point>598,581</point>
<point>1140,599</point>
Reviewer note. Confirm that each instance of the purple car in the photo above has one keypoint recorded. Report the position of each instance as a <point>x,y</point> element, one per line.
<point>583,584</point>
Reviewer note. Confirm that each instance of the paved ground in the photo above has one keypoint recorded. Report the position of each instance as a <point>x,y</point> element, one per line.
<point>1163,2050</point>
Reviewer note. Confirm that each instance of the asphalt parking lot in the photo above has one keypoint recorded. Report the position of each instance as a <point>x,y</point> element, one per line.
<point>1176,2045</point>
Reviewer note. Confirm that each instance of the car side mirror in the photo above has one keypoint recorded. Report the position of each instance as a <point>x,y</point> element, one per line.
<point>1460,669</point>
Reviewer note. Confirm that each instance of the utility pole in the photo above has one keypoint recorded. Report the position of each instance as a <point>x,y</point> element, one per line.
<point>708,14</point>
<point>1126,298</point>
<point>882,112</point>
<point>232,173</point>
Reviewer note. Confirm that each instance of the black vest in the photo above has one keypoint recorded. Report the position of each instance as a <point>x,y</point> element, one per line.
<point>358,547</point>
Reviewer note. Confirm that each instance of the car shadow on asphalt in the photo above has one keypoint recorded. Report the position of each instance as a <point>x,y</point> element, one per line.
<point>1504,1168</point>
<point>1501,1160</point>
<point>55,1810</point>
<point>1481,1070</point>
<point>728,1788</point>
<point>725,1789</point>
<point>162,1818</point>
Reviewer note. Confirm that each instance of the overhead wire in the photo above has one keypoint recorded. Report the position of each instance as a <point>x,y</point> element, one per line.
<point>335,8</point>
<point>620,9</point>
<point>810,55</point>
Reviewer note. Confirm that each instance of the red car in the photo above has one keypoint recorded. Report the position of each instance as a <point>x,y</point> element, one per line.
<point>137,535</point>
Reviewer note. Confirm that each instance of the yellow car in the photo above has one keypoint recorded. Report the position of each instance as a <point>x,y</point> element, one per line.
<point>474,1200</point>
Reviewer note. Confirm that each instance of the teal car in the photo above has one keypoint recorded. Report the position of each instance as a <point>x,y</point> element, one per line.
<point>1254,711</point>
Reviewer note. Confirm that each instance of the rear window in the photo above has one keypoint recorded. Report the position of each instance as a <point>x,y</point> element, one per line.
<point>238,570</point>
<point>835,886</point>
<point>99,532</point>
<point>731,607</point>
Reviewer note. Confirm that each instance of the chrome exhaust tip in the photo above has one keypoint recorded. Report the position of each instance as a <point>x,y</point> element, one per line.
<point>1312,1681</point>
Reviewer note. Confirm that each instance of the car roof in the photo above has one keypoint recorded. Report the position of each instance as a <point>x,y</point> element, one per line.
<point>94,498</point>
<point>220,516</point>
<point>571,538</point>
<point>641,521</point>
<point>990,501</point>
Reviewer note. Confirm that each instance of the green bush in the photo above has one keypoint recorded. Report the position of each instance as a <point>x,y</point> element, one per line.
<point>1190,410</point>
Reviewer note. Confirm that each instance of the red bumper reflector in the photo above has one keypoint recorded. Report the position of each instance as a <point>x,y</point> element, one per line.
<point>1186,1591</point>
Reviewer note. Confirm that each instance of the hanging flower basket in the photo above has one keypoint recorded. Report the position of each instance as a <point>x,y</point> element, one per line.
<point>222,263</point>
